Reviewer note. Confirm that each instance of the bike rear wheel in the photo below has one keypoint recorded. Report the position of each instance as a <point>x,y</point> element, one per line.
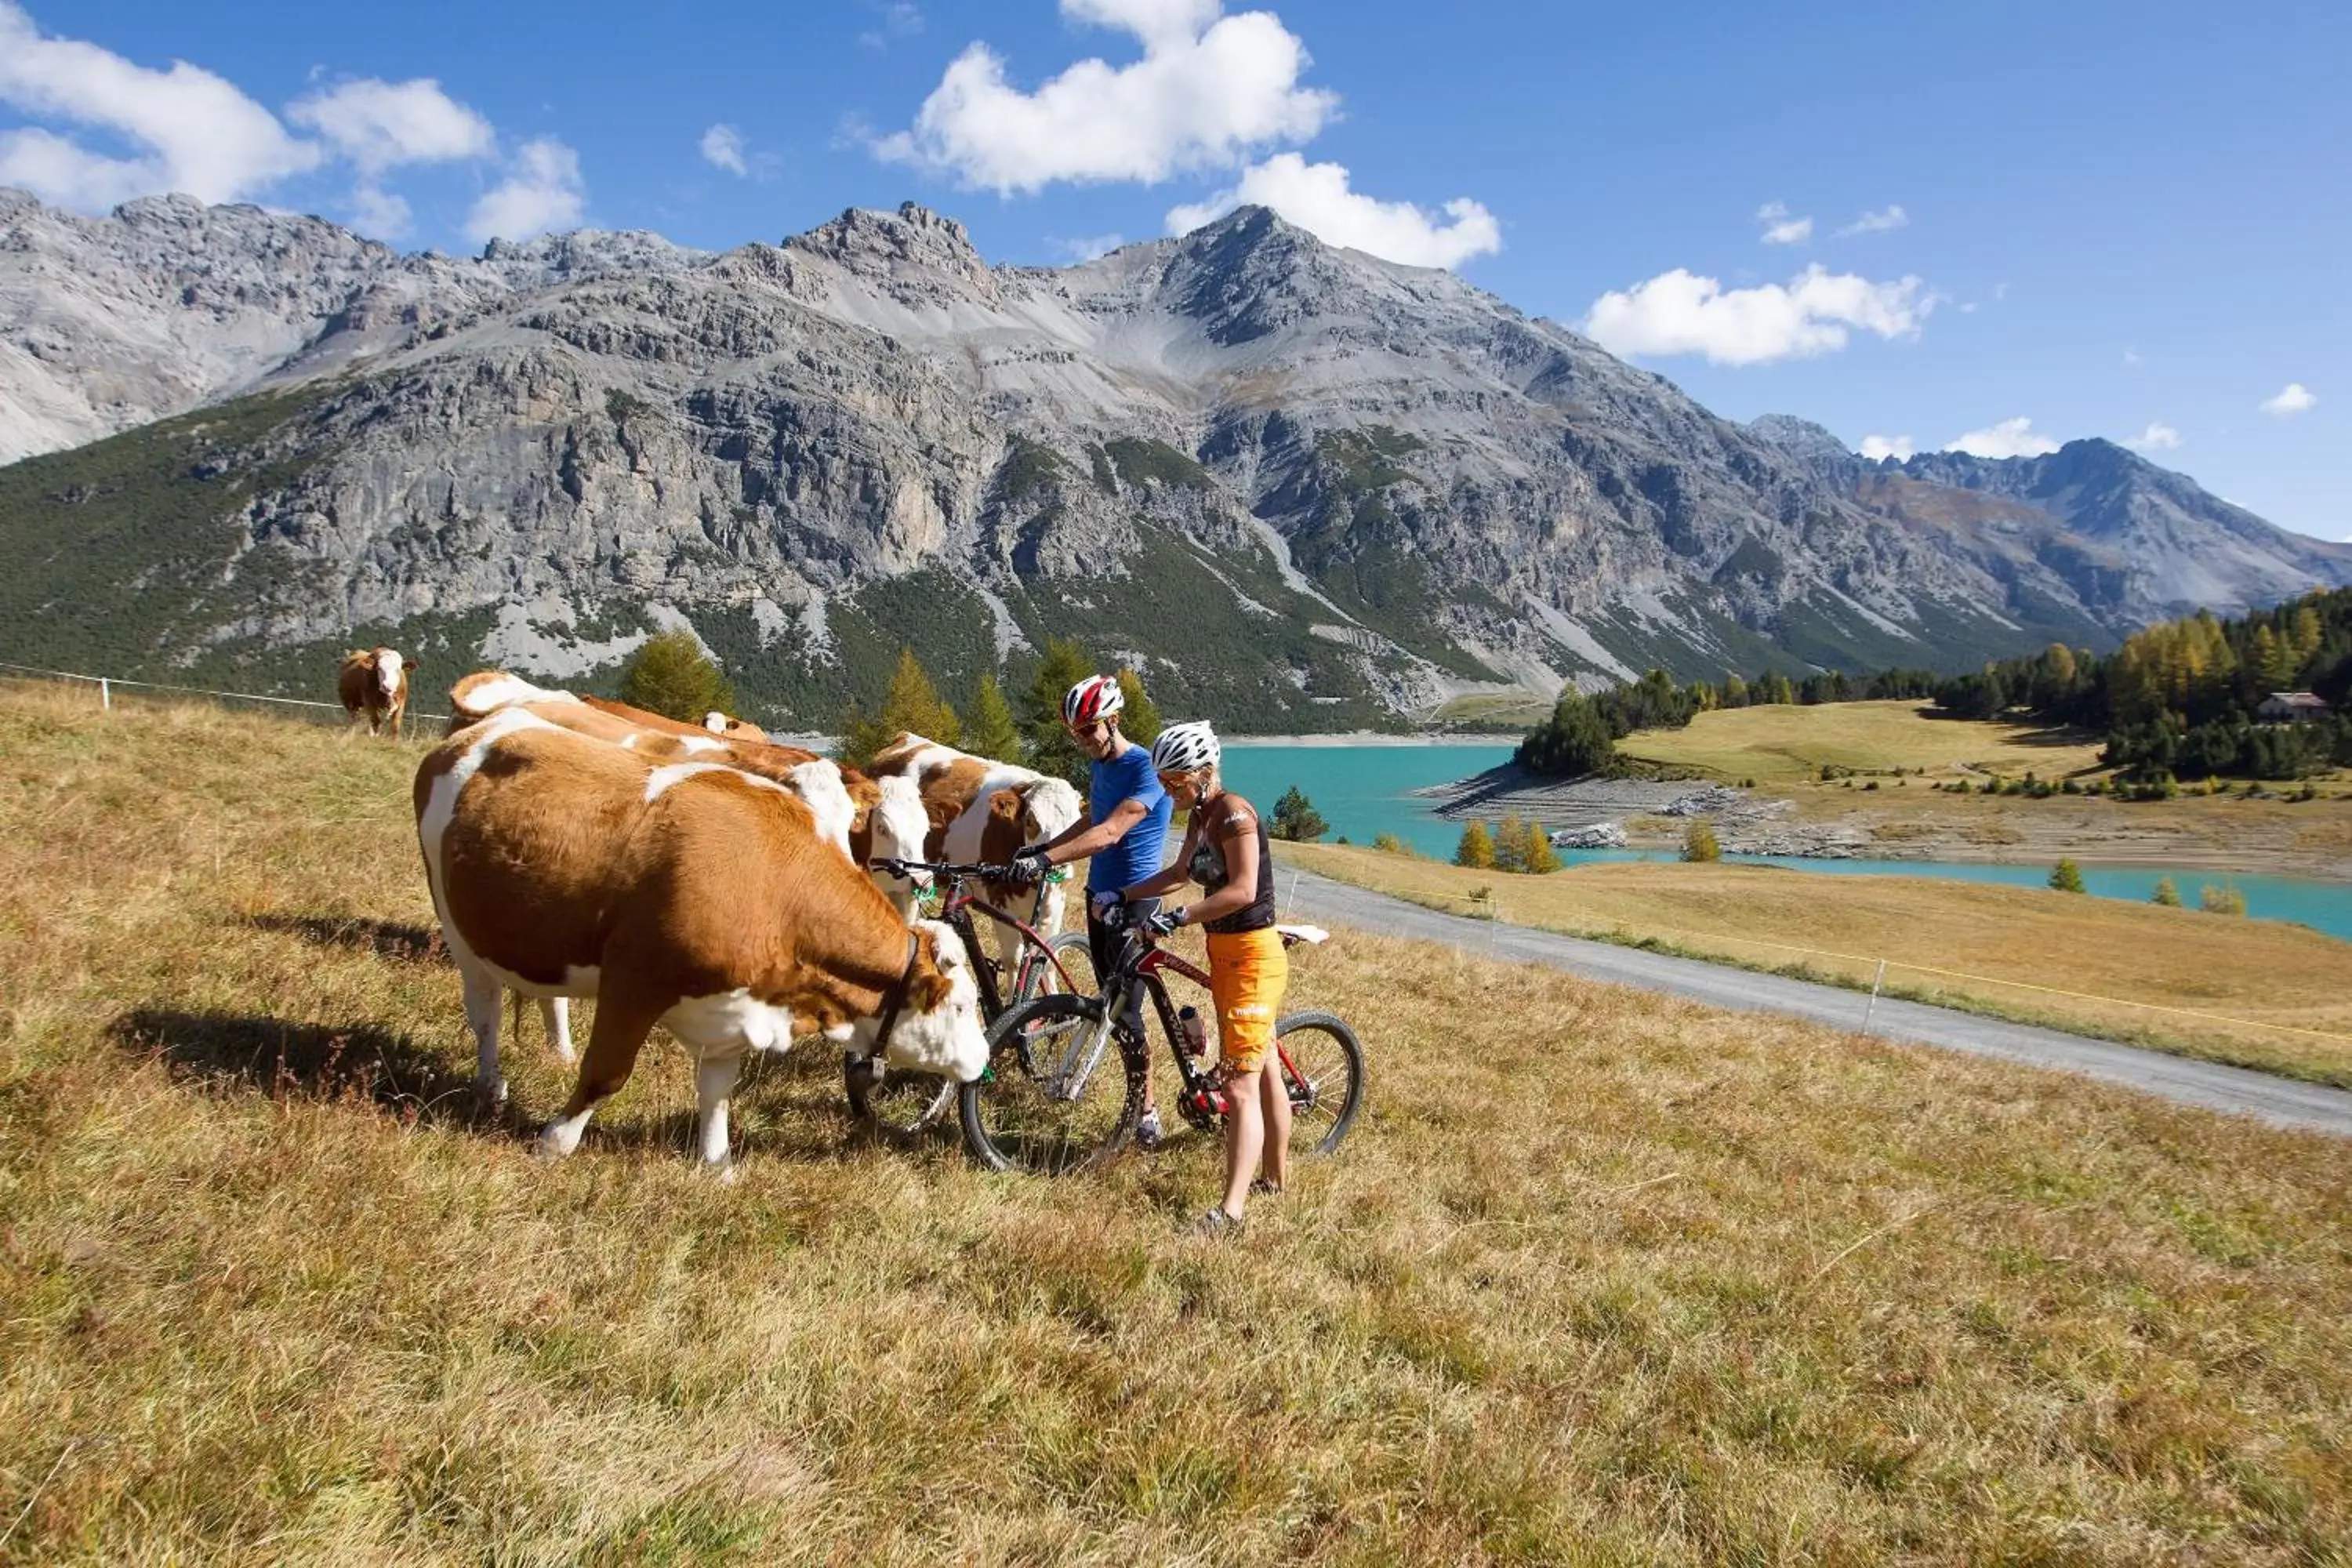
<point>1323,1067</point>
<point>1061,1095</point>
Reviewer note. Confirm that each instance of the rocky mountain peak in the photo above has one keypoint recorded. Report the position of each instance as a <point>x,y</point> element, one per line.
<point>912,245</point>
<point>1250,274</point>
<point>584,253</point>
<point>1798,438</point>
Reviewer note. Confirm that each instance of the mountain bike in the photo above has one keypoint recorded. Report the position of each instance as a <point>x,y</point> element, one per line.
<point>1064,1085</point>
<point>905,1104</point>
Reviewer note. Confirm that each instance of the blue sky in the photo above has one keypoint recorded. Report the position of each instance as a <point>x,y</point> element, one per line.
<point>1907,223</point>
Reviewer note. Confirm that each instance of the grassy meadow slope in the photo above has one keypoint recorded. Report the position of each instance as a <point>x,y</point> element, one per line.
<point>1782,743</point>
<point>1784,748</point>
<point>1620,1278</point>
<point>2262,972</point>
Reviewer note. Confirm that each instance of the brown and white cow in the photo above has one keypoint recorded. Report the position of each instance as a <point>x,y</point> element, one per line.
<point>970,820</point>
<point>692,895</point>
<point>727,729</point>
<point>374,681</point>
<point>863,818</point>
<point>888,819</point>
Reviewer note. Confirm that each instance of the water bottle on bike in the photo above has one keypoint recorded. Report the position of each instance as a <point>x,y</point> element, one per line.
<point>1191,1033</point>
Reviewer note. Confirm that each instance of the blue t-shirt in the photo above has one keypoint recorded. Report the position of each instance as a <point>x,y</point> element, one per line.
<point>1129,776</point>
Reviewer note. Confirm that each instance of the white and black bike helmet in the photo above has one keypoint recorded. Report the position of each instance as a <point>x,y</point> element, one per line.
<point>1186,748</point>
<point>1096,697</point>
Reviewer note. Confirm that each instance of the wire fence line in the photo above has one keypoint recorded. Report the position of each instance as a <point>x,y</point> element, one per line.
<point>108,685</point>
<point>1486,907</point>
<point>1490,908</point>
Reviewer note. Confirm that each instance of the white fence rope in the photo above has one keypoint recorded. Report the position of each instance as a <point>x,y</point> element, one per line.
<point>108,684</point>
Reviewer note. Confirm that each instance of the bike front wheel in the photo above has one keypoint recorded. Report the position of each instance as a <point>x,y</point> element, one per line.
<point>1061,1094</point>
<point>1322,1068</point>
<point>900,1105</point>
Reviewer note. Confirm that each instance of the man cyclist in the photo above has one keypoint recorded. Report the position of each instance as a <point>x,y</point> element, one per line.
<point>1123,836</point>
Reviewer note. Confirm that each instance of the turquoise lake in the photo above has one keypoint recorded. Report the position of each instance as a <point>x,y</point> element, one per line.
<point>1365,790</point>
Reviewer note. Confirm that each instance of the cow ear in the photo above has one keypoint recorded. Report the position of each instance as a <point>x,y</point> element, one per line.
<point>929,988</point>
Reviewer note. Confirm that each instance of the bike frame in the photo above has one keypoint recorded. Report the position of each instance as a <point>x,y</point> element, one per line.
<point>1147,972</point>
<point>956,911</point>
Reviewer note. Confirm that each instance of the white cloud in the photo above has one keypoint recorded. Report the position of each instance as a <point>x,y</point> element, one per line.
<point>1086,248</point>
<point>2158,437</point>
<point>197,132</point>
<point>900,20</point>
<point>543,191</point>
<point>1878,448</point>
<point>378,214</point>
<point>723,145</point>
<point>1207,91</point>
<point>2293,398</point>
<point>1889,217</point>
<point>1780,228</point>
<point>2131,360</point>
<point>2007,438</point>
<point>1679,312</point>
<point>1317,197</point>
<point>379,126</point>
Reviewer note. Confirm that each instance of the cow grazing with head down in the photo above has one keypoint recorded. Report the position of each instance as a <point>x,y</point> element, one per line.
<point>374,681</point>
<point>984,811</point>
<point>692,895</point>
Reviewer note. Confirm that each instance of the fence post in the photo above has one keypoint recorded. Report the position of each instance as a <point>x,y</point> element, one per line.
<point>1293,905</point>
<point>105,696</point>
<point>1872,1006</point>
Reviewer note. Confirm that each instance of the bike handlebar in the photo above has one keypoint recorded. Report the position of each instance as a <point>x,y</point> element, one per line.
<point>985,871</point>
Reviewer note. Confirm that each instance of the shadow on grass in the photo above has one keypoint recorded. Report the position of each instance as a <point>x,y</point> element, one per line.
<point>249,1053</point>
<point>359,933</point>
<point>787,1110</point>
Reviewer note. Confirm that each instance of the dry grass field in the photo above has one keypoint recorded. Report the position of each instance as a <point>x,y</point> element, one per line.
<point>2263,972</point>
<point>1784,743</point>
<point>1605,1279</point>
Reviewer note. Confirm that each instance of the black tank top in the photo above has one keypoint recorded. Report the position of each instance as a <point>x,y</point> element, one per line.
<point>1209,869</point>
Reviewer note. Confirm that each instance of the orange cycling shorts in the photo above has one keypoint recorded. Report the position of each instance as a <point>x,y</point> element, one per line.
<point>1247,972</point>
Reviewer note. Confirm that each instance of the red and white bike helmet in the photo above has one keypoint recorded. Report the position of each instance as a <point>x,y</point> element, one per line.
<point>1096,697</point>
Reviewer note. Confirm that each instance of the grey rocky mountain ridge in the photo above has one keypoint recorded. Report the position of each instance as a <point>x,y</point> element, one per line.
<point>1301,486</point>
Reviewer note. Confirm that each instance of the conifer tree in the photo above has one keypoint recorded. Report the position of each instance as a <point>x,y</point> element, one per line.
<point>1477,849</point>
<point>1511,845</point>
<point>1541,857</point>
<point>991,732</point>
<point>1141,721</point>
<point>673,676</point>
<point>1296,818</point>
<point>915,705</point>
<point>1048,743</point>
<point>2067,876</point>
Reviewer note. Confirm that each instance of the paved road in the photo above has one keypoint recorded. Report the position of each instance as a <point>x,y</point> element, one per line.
<point>2282,1101</point>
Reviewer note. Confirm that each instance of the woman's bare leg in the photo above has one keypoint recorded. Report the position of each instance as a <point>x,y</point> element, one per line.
<point>1274,1095</point>
<point>1245,1139</point>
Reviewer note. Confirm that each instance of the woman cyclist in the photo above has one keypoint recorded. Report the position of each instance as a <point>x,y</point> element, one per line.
<point>1225,851</point>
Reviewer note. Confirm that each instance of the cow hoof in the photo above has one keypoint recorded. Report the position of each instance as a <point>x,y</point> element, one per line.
<point>726,1175</point>
<point>491,1094</point>
<point>555,1142</point>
